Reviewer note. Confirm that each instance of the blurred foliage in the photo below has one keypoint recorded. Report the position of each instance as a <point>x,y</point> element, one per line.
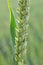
<point>35,42</point>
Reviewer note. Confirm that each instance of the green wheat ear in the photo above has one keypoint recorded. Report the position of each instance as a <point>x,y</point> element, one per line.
<point>19,32</point>
<point>21,38</point>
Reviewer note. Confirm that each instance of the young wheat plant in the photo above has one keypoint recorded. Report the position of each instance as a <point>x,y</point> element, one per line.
<point>19,31</point>
<point>21,37</point>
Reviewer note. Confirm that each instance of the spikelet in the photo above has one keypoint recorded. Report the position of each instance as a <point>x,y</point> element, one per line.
<point>21,38</point>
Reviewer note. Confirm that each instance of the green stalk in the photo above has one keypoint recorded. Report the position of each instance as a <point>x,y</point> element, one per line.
<point>21,38</point>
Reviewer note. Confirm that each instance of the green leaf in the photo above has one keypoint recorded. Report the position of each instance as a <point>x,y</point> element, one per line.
<point>12,26</point>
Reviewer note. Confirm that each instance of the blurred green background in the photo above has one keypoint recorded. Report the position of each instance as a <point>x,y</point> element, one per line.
<point>35,41</point>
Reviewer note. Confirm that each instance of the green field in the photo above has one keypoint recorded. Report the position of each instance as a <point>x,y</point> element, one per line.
<point>35,41</point>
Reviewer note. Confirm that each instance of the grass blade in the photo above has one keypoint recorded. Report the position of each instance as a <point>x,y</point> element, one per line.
<point>12,26</point>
